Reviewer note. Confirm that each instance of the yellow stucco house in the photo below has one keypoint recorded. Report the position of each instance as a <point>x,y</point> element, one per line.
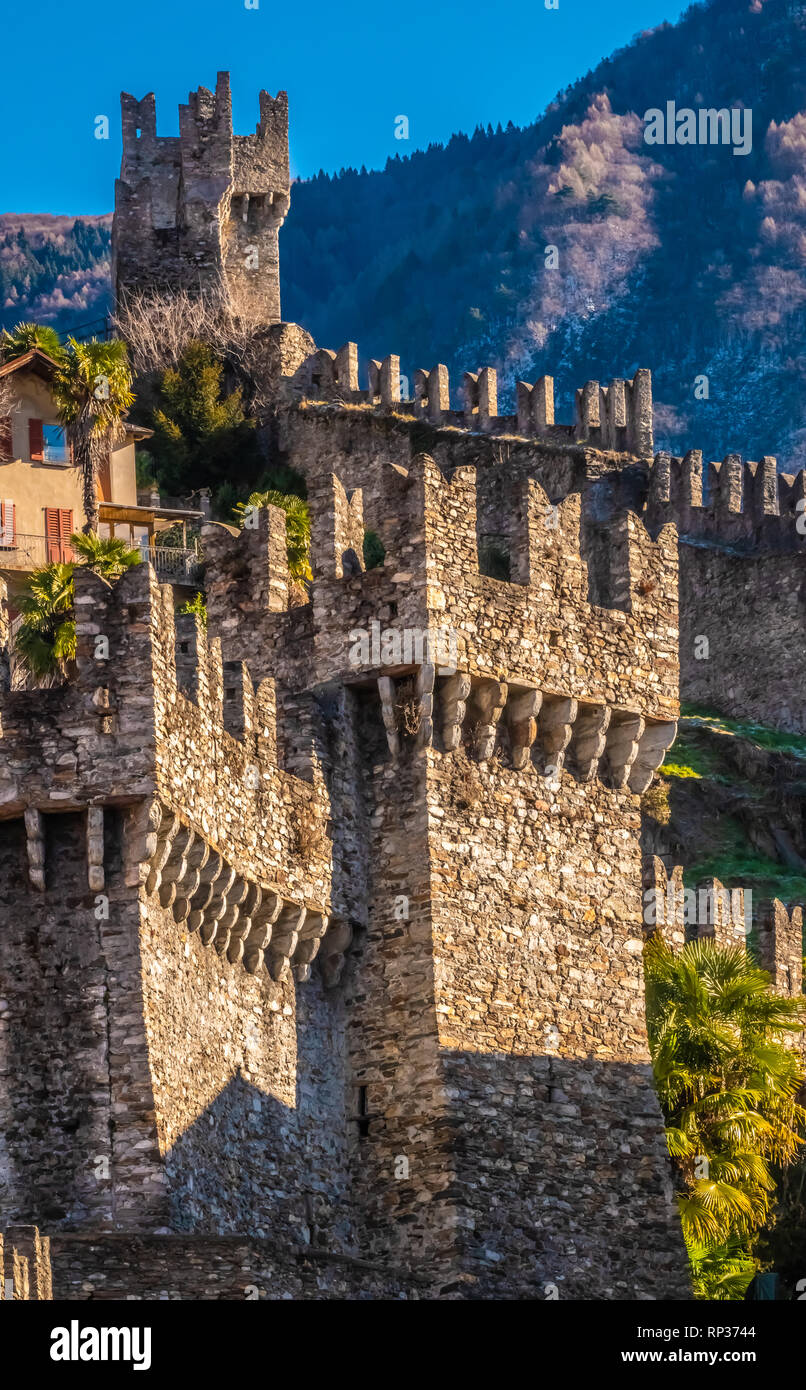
<point>41,493</point>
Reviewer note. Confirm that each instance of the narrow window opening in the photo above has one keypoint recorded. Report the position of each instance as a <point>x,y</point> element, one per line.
<point>362,1113</point>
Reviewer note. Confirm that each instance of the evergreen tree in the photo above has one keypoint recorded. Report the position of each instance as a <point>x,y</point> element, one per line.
<point>202,437</point>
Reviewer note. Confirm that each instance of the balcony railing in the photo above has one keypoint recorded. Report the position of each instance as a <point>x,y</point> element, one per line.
<point>172,564</point>
<point>31,552</point>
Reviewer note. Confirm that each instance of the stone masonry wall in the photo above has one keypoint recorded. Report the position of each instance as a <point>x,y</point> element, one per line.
<point>540,1005</point>
<point>78,1146</point>
<point>55,1103</point>
<point>572,660</point>
<point>151,943</point>
<point>401,1137</point>
<point>234,1268</point>
<point>742,562</point>
<point>377,915</point>
<point>196,1268</point>
<point>250,1093</point>
<point>741,526</point>
<point>752,611</point>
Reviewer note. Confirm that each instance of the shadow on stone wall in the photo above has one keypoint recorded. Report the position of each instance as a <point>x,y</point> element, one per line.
<point>563,1185</point>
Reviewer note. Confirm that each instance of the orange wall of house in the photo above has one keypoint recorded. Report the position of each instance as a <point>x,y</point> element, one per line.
<point>32,485</point>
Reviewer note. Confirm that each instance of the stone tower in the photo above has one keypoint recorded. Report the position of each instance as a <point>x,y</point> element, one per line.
<point>320,960</point>
<point>206,206</point>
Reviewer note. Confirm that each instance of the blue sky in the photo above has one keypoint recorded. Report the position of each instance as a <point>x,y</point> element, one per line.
<point>349,70</point>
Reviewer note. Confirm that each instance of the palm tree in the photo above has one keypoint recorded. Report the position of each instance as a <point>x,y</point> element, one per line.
<point>297,524</point>
<point>722,1272</point>
<point>727,1083</point>
<point>92,390</point>
<point>106,555</point>
<point>46,639</point>
<point>25,336</point>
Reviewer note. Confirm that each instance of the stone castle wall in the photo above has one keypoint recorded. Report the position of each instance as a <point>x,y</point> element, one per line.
<point>750,609</point>
<point>250,1093</point>
<point>740,524</point>
<point>540,1017</point>
<point>372,1003</point>
<point>153,928</point>
<point>486,973</point>
<point>732,917</point>
<point>330,941</point>
<point>73,1267</point>
<point>742,576</point>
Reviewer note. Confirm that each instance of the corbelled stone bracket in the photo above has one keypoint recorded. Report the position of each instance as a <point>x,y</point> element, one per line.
<point>35,837</point>
<point>589,739</point>
<point>454,693</point>
<point>487,700</point>
<point>95,848</point>
<point>623,741</point>
<point>620,746</point>
<point>425,701</point>
<point>386,691</point>
<point>248,922</point>
<point>334,951</point>
<point>522,709</point>
<point>554,729</point>
<point>652,748</point>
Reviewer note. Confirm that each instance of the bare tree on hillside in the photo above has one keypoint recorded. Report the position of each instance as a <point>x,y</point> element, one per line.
<point>158,325</point>
<point>8,396</point>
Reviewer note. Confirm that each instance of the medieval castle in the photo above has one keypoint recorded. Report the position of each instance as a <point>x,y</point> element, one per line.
<point>320,965</point>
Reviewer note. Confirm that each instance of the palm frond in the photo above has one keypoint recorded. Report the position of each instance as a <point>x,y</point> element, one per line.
<point>297,527</point>
<point>727,1083</point>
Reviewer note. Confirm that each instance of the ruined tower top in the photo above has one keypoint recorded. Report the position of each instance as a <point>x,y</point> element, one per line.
<point>202,210</point>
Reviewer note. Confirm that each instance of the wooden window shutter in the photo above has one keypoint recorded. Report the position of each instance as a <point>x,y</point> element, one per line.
<point>58,530</point>
<point>65,532</point>
<point>8,524</point>
<point>52,536</point>
<point>6,443</point>
<point>36,439</point>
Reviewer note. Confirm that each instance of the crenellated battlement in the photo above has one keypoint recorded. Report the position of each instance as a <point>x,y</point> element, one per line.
<point>167,886</point>
<point>731,917</point>
<point>150,716</point>
<point>741,557</point>
<point>589,599</point>
<point>617,418</point>
<point>748,506</point>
